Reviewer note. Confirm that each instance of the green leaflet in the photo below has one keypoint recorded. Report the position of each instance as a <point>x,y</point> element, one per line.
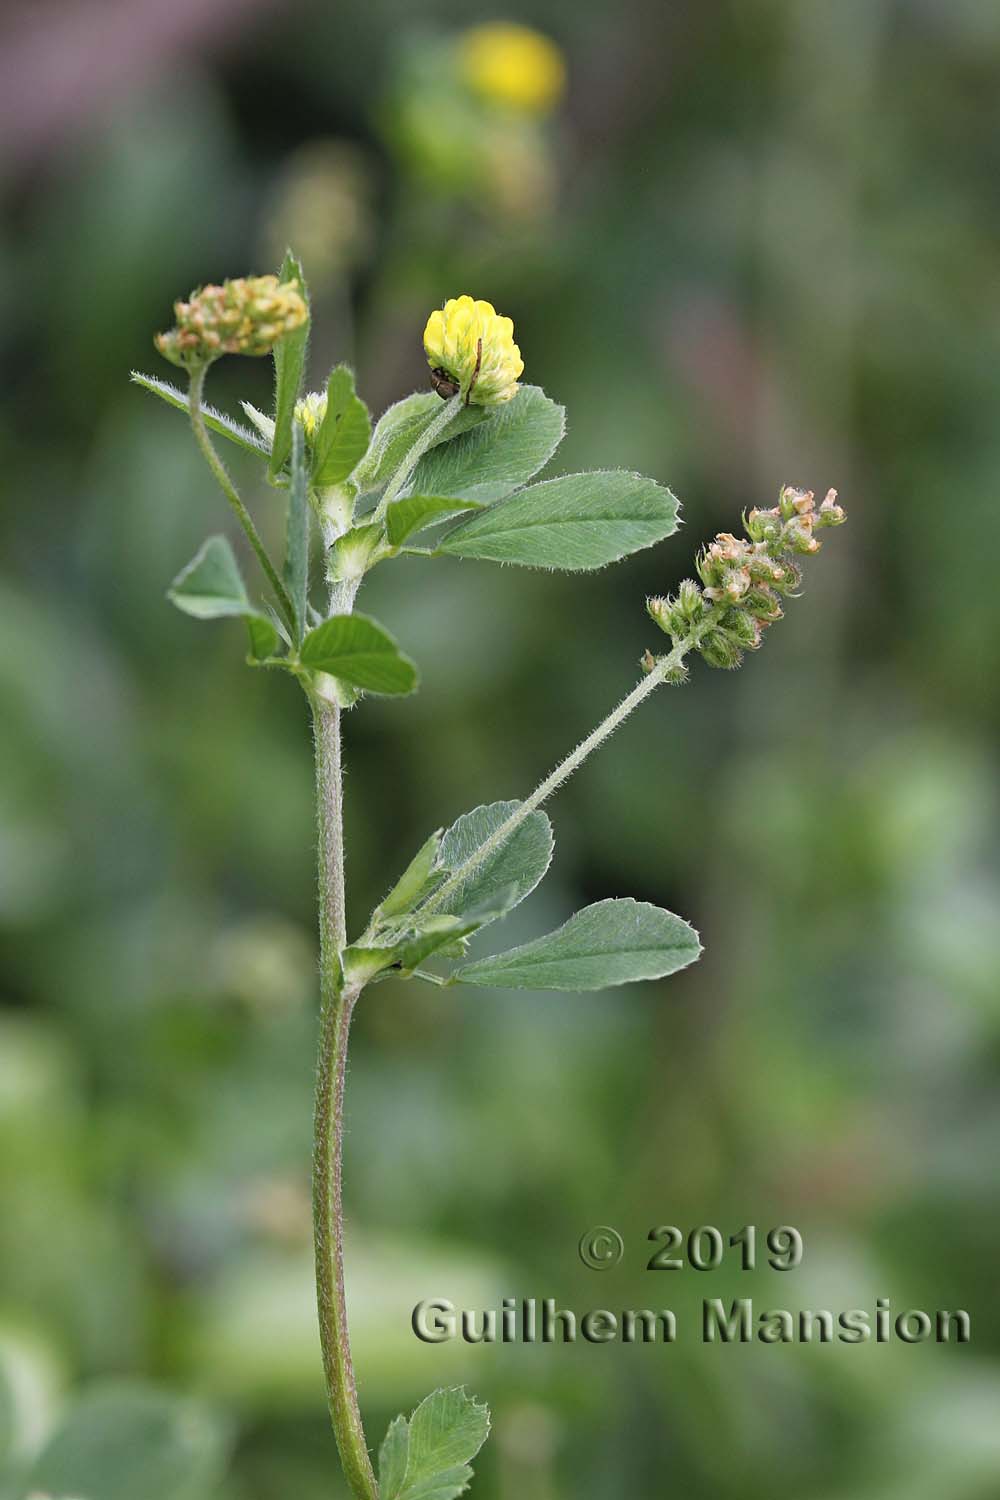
<point>345,432</point>
<point>609,943</point>
<point>358,650</point>
<point>428,1457</point>
<point>499,454</point>
<point>577,522</point>
<point>215,421</point>
<point>289,365</point>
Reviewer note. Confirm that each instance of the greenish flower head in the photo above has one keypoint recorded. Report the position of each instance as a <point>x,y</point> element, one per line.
<point>470,349</point>
<point>245,316</point>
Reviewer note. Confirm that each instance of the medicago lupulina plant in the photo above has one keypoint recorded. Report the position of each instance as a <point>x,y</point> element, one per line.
<point>446,473</point>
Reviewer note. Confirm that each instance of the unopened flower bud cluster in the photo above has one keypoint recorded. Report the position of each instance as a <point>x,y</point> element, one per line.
<point>245,316</point>
<point>743,579</point>
<point>310,412</point>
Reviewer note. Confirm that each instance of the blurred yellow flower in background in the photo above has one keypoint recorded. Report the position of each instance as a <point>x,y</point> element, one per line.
<point>468,342</point>
<point>513,65</point>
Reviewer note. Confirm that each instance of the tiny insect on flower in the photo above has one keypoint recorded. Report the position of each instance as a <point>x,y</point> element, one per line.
<point>470,349</point>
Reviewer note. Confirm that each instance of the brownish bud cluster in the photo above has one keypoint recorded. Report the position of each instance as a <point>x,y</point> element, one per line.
<point>743,579</point>
<point>245,316</point>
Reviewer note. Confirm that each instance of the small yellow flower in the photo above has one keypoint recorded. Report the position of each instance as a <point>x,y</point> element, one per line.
<point>245,316</point>
<point>513,66</point>
<point>471,349</point>
<point>309,412</point>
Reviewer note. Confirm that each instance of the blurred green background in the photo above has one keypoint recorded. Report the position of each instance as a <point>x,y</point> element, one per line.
<point>753,243</point>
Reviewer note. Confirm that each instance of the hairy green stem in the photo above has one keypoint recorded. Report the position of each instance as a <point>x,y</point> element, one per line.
<point>195,389</point>
<point>665,665</point>
<point>338,1004</point>
<point>426,440</point>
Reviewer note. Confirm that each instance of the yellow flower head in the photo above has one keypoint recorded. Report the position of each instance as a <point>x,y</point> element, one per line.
<point>309,412</point>
<point>471,350</point>
<point>513,66</point>
<point>246,316</point>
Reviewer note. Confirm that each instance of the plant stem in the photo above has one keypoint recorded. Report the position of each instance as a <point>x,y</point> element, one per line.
<point>228,488</point>
<point>427,438</point>
<point>328,1142</point>
<point>665,665</point>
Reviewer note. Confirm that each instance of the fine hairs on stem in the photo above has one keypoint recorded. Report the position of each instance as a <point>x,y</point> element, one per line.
<point>364,493</point>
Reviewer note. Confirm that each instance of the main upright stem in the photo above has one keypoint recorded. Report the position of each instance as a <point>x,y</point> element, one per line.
<point>331,1075</point>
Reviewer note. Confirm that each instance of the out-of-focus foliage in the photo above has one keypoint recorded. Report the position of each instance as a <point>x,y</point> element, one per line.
<point>756,243</point>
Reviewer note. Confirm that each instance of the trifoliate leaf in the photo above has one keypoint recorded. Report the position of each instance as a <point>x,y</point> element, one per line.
<point>574,523</point>
<point>358,650</point>
<point>612,942</point>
